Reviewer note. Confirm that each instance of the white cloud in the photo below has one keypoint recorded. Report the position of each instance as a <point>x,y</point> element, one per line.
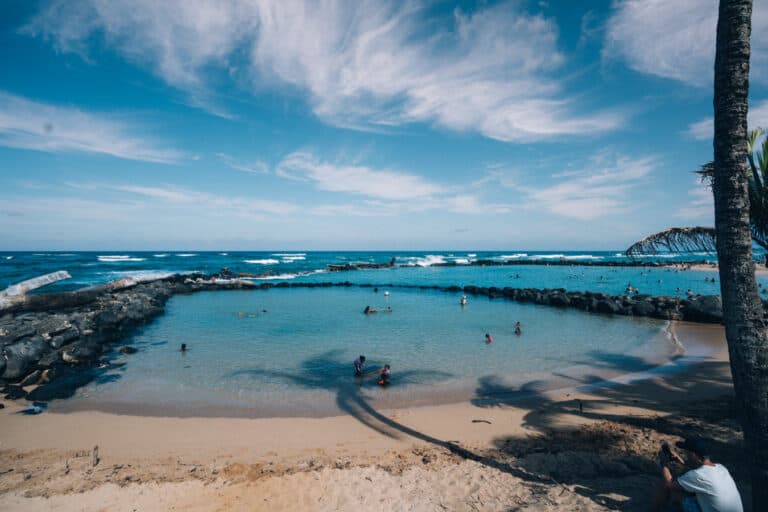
<point>701,206</point>
<point>676,39</point>
<point>356,179</point>
<point>363,64</point>
<point>254,167</point>
<point>704,129</point>
<point>603,189</point>
<point>27,124</point>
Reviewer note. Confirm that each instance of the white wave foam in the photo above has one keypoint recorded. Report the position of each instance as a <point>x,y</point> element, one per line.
<point>185,255</point>
<point>142,275</point>
<point>278,276</point>
<point>583,257</point>
<point>429,260</point>
<point>119,259</point>
<point>514,256</point>
<point>223,254</point>
<point>64,255</point>
<point>284,254</point>
<point>262,262</point>
<point>9,257</point>
<point>472,255</point>
<point>291,259</point>
<point>163,255</point>
<point>461,261</point>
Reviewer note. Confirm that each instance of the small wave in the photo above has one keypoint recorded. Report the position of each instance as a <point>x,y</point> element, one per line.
<point>288,254</point>
<point>119,259</point>
<point>291,259</point>
<point>64,255</point>
<point>141,275</point>
<point>223,254</point>
<point>583,257</point>
<point>9,257</point>
<point>514,256</point>
<point>429,260</point>
<point>262,262</point>
<point>163,255</point>
<point>461,261</point>
<point>185,255</point>
<point>278,276</point>
<point>473,255</point>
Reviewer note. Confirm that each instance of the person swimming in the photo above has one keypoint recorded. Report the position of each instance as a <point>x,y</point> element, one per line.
<point>518,329</point>
<point>368,310</point>
<point>183,347</point>
<point>488,339</point>
<point>385,375</point>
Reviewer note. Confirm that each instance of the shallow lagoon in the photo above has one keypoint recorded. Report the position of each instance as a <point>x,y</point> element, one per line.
<point>289,352</point>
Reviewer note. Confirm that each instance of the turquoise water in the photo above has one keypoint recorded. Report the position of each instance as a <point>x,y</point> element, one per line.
<point>289,352</point>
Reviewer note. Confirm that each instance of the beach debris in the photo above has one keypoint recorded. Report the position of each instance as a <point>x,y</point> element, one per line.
<point>482,421</point>
<point>32,409</point>
<point>95,456</point>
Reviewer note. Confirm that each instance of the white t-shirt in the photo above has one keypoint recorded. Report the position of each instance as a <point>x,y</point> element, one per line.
<point>715,489</point>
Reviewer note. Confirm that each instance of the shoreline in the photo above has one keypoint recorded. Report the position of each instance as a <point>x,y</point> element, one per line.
<point>203,463</point>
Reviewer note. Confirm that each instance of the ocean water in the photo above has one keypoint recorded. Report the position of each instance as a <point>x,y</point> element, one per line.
<point>289,352</point>
<point>88,268</point>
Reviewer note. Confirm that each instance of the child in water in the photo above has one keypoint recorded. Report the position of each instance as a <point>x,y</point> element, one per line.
<point>488,339</point>
<point>385,374</point>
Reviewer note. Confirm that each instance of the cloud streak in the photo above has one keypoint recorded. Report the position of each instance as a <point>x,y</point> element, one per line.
<point>361,64</point>
<point>26,124</point>
<point>676,39</point>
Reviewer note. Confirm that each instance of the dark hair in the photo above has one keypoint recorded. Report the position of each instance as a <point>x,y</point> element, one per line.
<point>183,346</point>
<point>696,445</point>
<point>386,366</point>
<point>362,357</point>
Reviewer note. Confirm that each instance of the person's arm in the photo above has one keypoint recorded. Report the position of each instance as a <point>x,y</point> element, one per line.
<point>666,472</point>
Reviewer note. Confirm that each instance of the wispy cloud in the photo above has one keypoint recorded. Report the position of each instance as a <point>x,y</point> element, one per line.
<point>701,206</point>
<point>704,129</point>
<point>362,64</point>
<point>676,39</point>
<point>253,167</point>
<point>27,124</point>
<point>356,179</point>
<point>603,189</point>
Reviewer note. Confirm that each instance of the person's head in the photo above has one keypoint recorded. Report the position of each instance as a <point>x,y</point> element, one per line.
<point>696,450</point>
<point>183,347</point>
<point>386,367</point>
<point>487,335</point>
<point>362,359</point>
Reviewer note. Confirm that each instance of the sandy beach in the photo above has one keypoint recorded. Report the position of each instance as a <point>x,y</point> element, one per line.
<point>580,448</point>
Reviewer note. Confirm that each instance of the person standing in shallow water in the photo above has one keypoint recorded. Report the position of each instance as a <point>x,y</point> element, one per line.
<point>359,363</point>
<point>518,329</point>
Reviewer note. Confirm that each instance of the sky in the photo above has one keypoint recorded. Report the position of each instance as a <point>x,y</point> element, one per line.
<point>357,125</point>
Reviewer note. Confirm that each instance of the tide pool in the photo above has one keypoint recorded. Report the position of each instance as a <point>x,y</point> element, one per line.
<point>289,352</point>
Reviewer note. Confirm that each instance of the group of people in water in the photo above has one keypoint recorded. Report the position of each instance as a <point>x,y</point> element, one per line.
<point>384,374</point>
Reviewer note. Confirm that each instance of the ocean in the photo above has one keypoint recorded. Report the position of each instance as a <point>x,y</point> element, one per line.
<point>289,352</point>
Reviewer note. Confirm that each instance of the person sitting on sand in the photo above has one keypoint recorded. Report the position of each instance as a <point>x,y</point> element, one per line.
<point>705,487</point>
<point>518,329</point>
<point>488,339</point>
<point>385,375</point>
<point>359,363</point>
<point>368,310</point>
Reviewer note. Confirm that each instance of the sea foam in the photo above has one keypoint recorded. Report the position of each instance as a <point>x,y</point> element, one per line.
<point>262,262</point>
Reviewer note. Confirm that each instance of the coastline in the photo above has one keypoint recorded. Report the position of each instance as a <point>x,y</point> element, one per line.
<point>191,461</point>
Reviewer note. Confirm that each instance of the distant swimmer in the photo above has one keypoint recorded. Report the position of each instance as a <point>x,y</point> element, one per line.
<point>183,347</point>
<point>376,289</point>
<point>385,375</point>
<point>359,364</point>
<point>689,293</point>
<point>488,339</point>
<point>463,300</point>
<point>388,310</point>
<point>518,329</point>
<point>368,310</point>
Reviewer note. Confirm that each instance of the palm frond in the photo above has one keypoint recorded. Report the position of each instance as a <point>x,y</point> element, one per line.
<point>689,239</point>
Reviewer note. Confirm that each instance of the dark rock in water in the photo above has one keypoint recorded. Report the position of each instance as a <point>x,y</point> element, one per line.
<point>53,325</point>
<point>705,308</point>
<point>14,392</point>
<point>643,308</point>
<point>559,300</point>
<point>64,386</point>
<point>15,332</point>
<point>31,379</point>
<point>82,353</point>
<point>20,355</point>
<point>125,349</point>
<point>607,306</point>
<point>50,359</point>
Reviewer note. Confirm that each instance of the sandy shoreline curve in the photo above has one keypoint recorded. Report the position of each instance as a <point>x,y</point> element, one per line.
<point>453,456</point>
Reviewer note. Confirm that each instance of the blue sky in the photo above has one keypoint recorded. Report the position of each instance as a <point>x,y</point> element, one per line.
<point>244,124</point>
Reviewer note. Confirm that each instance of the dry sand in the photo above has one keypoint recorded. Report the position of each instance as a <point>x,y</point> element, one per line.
<point>583,448</point>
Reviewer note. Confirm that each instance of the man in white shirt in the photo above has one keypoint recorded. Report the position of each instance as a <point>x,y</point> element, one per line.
<point>705,487</point>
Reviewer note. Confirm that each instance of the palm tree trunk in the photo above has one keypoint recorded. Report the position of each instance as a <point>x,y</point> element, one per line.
<point>742,308</point>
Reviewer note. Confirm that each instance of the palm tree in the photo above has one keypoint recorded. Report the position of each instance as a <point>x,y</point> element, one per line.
<point>742,309</point>
<point>690,239</point>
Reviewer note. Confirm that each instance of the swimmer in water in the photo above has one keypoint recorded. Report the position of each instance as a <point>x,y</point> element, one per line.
<point>518,329</point>
<point>183,347</point>
<point>385,375</point>
<point>488,339</point>
<point>463,300</point>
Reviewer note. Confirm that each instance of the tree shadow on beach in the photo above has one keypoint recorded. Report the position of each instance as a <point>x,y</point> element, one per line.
<point>616,452</point>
